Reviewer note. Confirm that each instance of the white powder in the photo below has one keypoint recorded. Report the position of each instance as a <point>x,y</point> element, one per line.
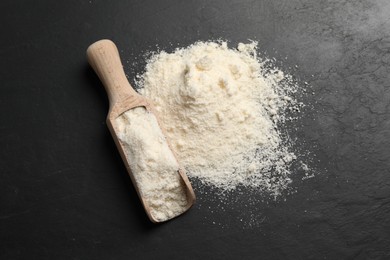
<point>152,163</point>
<point>220,109</point>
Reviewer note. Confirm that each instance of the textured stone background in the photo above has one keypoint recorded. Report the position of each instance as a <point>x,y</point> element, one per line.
<point>64,193</point>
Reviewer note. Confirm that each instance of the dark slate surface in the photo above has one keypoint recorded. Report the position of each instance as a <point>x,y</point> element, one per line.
<point>64,193</point>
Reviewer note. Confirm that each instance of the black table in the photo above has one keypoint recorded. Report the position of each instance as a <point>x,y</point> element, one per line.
<point>65,194</point>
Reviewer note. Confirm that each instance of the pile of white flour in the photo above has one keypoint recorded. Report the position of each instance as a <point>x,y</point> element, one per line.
<point>221,109</point>
<point>152,163</point>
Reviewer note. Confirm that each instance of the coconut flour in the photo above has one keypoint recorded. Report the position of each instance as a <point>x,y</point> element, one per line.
<point>220,108</point>
<point>152,163</point>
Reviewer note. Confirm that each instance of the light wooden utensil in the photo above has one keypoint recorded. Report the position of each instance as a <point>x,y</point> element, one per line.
<point>104,58</point>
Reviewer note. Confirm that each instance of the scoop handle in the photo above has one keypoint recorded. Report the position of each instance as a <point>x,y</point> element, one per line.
<point>103,56</point>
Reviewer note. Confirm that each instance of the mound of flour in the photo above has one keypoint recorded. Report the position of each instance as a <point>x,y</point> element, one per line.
<point>152,163</point>
<point>220,108</point>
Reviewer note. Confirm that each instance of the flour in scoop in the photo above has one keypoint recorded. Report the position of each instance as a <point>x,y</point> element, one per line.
<point>221,108</point>
<point>152,163</point>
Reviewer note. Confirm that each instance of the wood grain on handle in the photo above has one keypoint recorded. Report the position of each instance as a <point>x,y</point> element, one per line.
<point>104,58</point>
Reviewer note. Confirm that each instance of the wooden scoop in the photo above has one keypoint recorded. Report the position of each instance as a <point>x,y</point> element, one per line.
<point>104,58</point>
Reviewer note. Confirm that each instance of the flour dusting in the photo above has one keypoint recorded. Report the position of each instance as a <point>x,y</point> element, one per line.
<point>222,109</point>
